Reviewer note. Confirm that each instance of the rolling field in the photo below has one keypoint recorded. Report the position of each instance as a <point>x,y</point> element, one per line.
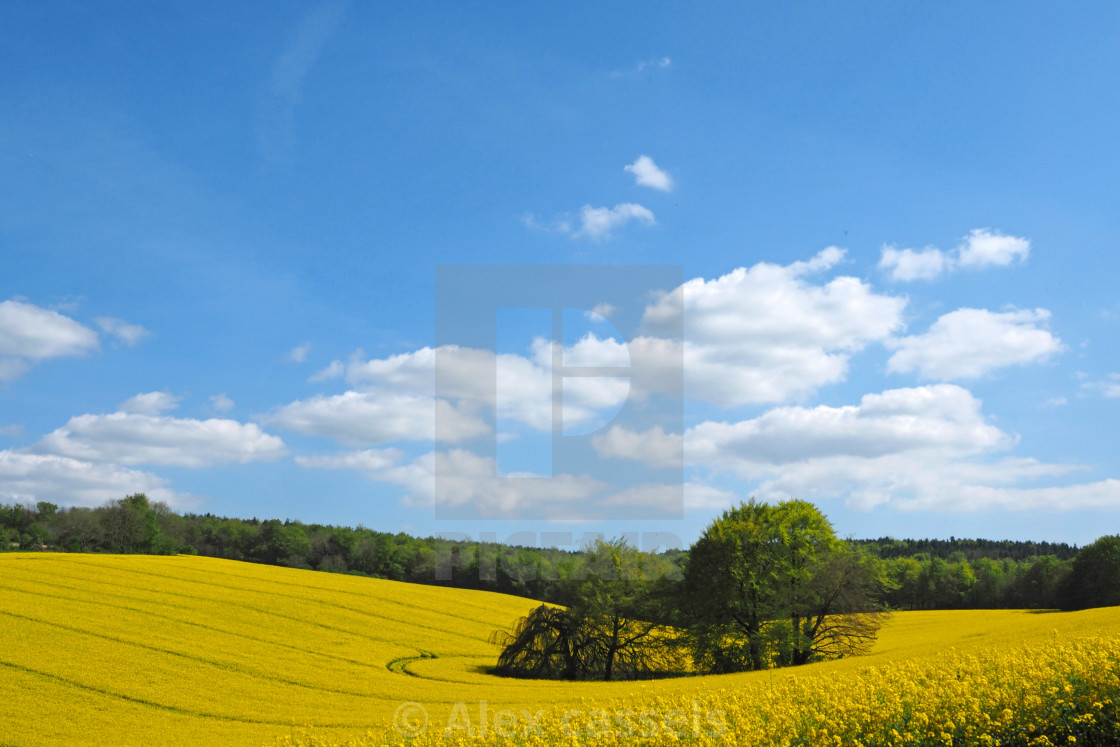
<point>98,649</point>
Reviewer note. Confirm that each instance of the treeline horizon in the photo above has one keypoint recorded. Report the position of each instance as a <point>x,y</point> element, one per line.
<point>920,573</point>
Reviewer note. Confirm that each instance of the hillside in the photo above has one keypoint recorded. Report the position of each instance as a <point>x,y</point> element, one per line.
<point>102,649</point>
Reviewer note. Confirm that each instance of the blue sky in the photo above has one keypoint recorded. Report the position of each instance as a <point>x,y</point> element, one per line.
<point>897,226</point>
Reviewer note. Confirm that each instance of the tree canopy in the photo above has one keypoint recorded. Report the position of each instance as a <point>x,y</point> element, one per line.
<point>771,585</point>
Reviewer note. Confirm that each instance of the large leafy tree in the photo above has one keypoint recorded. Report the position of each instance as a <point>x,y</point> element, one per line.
<point>1094,579</point>
<point>772,584</point>
<point>609,630</point>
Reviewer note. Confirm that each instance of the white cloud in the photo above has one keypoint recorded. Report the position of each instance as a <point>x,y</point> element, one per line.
<point>597,223</point>
<point>655,63</point>
<point>467,480</point>
<point>152,403</point>
<point>981,248</point>
<point>1108,387</point>
<point>332,371</point>
<point>557,225</point>
<point>943,418</point>
<point>27,478</point>
<point>221,403</point>
<point>985,248</point>
<point>30,334</point>
<point>123,333</point>
<point>378,417</point>
<point>906,264</point>
<point>370,461</point>
<point>647,174</point>
<point>654,447</point>
<point>601,312</point>
<point>133,439</point>
<point>767,334</point>
<point>969,343</point>
<point>661,62</point>
<point>11,431</point>
<point>519,387</point>
<point>298,354</point>
<point>928,448</point>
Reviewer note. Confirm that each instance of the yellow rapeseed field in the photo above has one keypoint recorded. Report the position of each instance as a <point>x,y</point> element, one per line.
<point>121,650</point>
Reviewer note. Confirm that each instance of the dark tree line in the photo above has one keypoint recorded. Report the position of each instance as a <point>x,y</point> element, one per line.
<point>968,549</point>
<point>137,525</point>
<point>911,574</point>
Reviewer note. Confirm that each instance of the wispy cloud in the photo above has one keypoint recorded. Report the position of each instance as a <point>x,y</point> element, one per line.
<point>647,174</point>
<point>298,354</point>
<point>276,127</point>
<point>1108,387</point>
<point>654,63</point>
<point>601,312</point>
<point>221,403</point>
<point>122,332</point>
<point>595,223</point>
<point>598,223</point>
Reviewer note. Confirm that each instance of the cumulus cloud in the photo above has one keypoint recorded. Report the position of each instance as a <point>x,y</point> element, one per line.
<point>469,482</point>
<point>123,333</point>
<point>362,418</point>
<point>984,248</point>
<point>151,403</point>
<point>969,343</point>
<point>653,447</point>
<point>598,223</point>
<point>981,248</point>
<point>928,448</point>
<point>131,438</point>
<point>768,333</point>
<point>28,478</point>
<point>944,418</point>
<point>907,264</point>
<point>30,334</point>
<point>647,174</point>
<point>518,387</point>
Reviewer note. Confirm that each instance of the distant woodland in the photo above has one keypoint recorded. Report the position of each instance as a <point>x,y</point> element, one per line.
<point>909,574</point>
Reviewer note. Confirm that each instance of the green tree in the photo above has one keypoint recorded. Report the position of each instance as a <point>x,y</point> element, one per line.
<point>283,543</point>
<point>1094,578</point>
<point>609,630</point>
<point>616,604</point>
<point>130,525</point>
<point>78,529</point>
<point>773,585</point>
<point>46,511</point>
<point>549,643</point>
